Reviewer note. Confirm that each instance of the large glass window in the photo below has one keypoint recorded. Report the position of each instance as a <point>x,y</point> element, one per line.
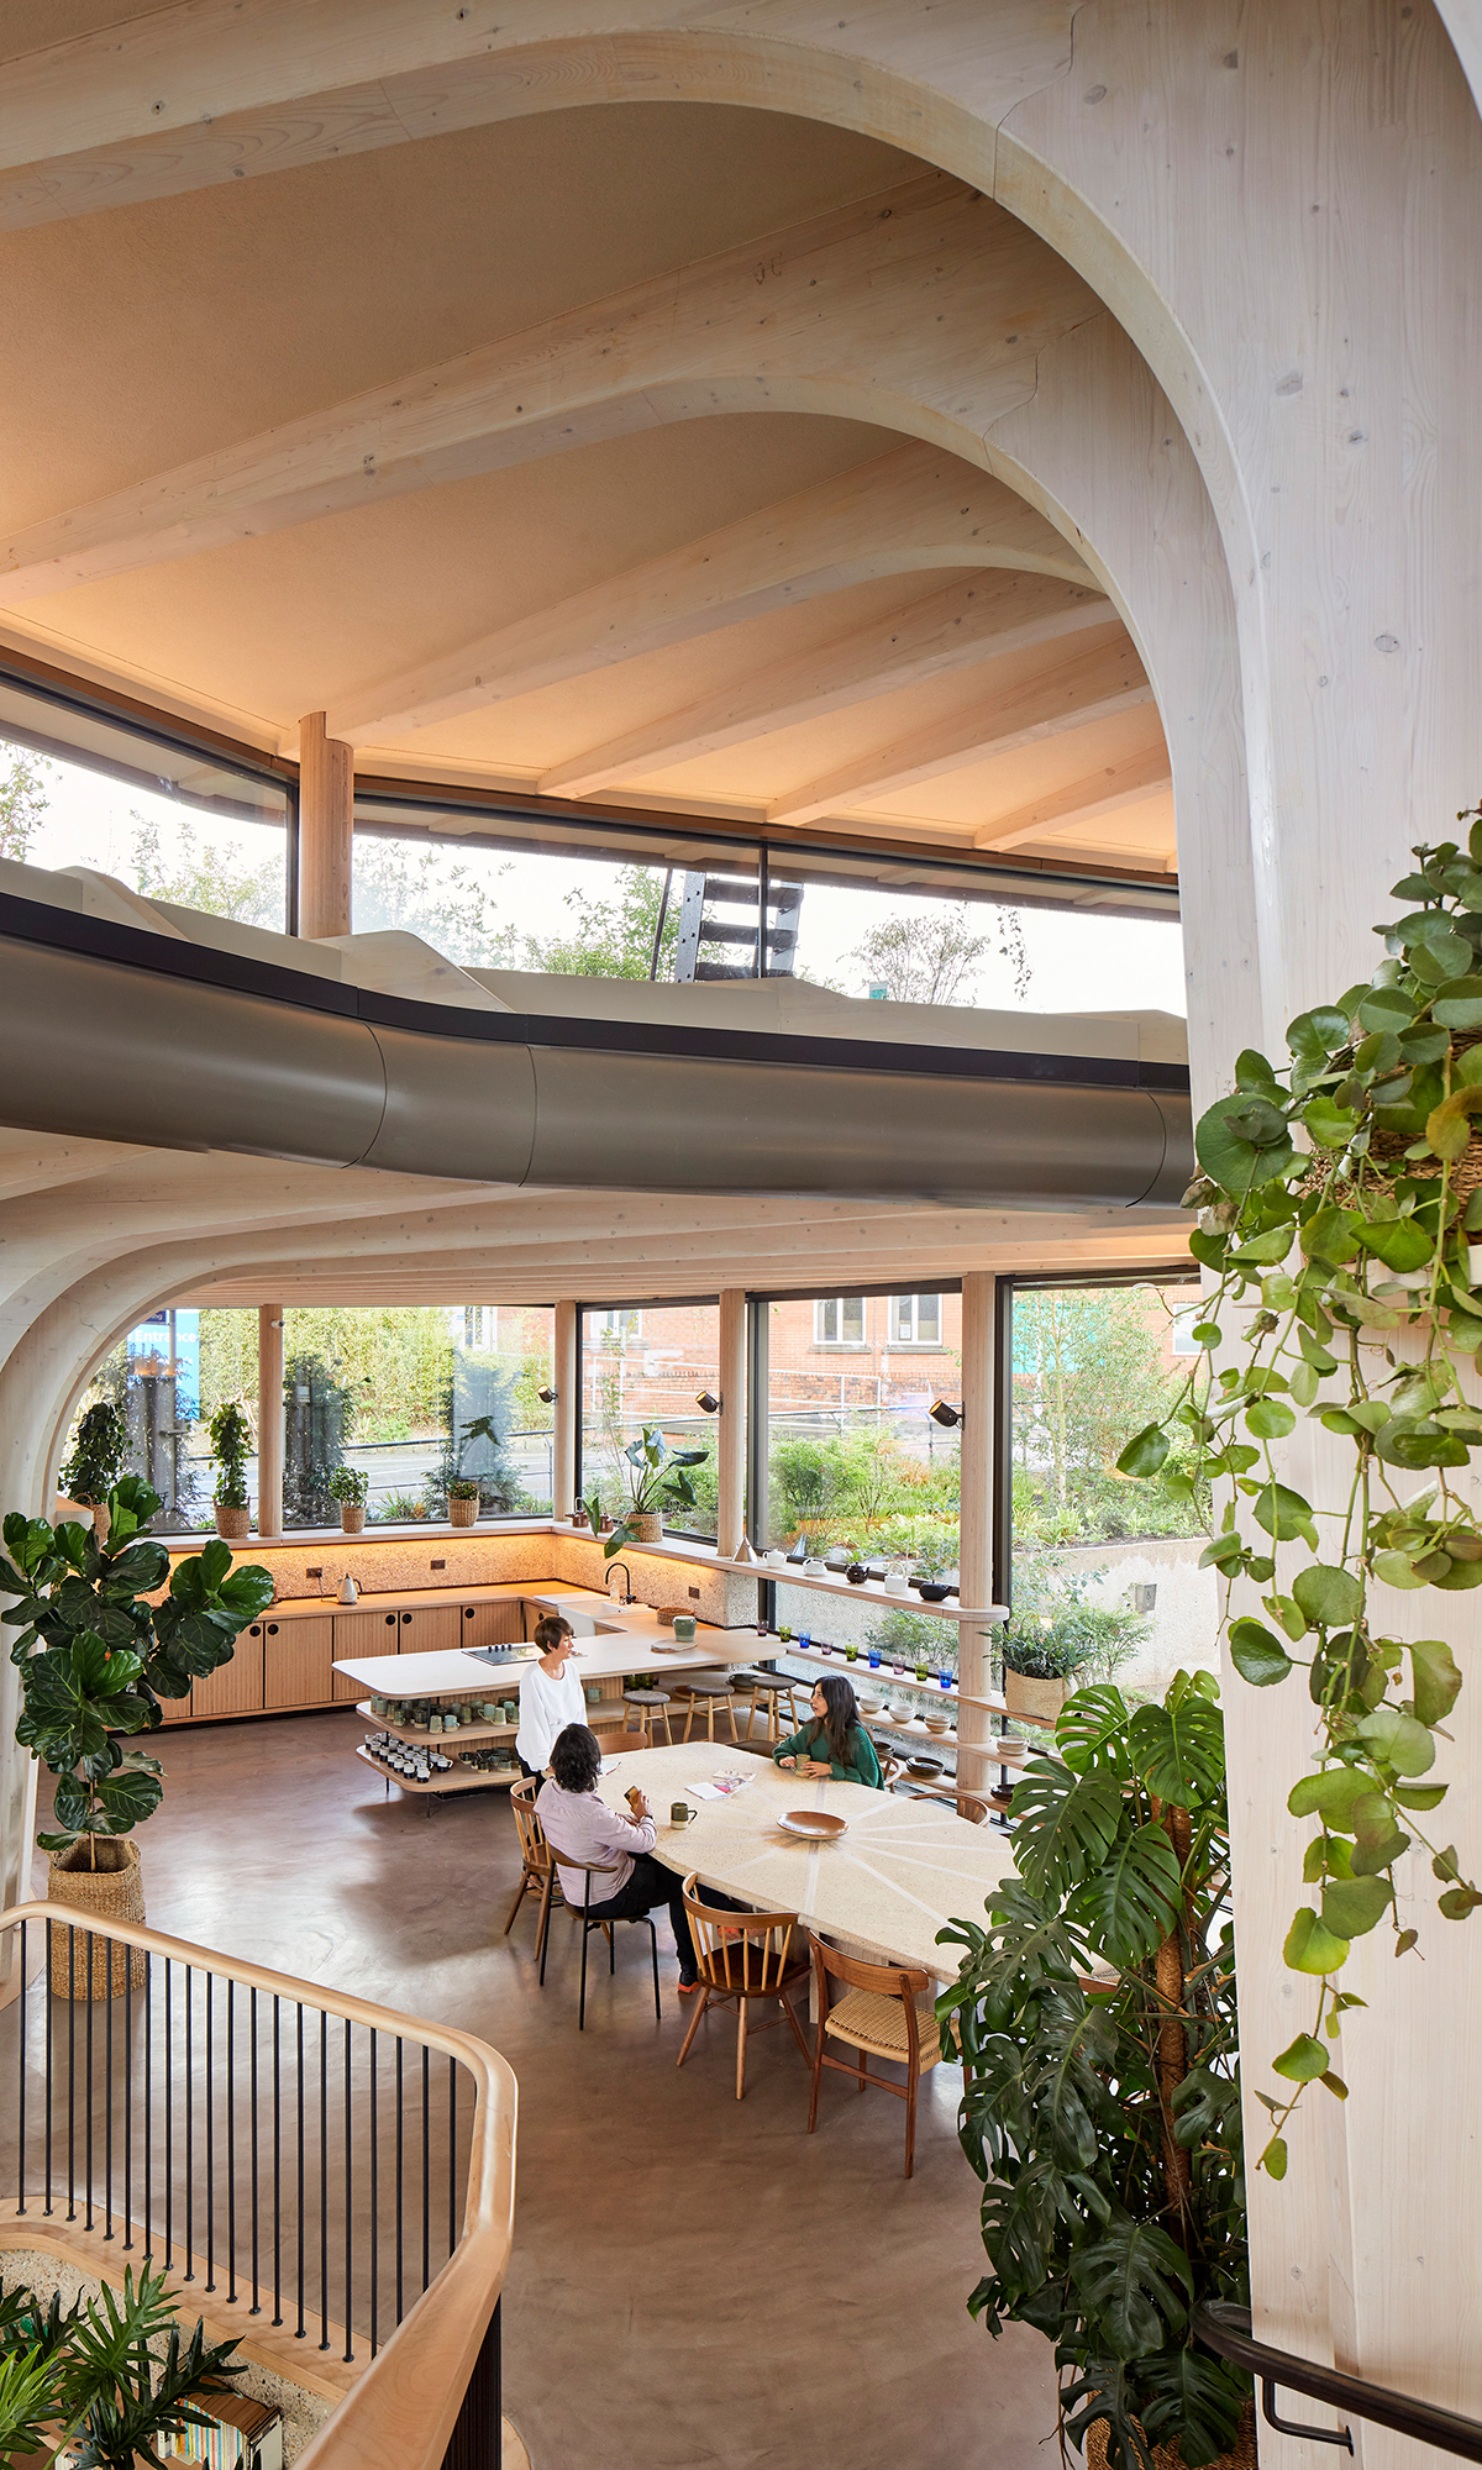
<point>180,825</point>
<point>1105,1574</point>
<point>413,1395</point>
<point>649,1367</point>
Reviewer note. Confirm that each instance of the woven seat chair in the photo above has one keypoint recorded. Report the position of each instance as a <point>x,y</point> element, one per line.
<point>885,2012</point>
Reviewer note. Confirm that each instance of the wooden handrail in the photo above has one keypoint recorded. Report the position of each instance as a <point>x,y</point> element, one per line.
<point>401,2412</point>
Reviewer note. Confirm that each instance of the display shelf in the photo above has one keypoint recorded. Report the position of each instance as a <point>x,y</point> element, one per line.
<point>473,1779</point>
<point>871,1591</point>
<point>607,1711</point>
<point>860,1671</point>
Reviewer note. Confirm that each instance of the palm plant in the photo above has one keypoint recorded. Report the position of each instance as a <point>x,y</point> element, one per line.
<point>1101,2104</point>
<point>88,2386</point>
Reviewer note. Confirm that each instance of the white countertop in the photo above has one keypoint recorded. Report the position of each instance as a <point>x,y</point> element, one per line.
<point>638,1642</point>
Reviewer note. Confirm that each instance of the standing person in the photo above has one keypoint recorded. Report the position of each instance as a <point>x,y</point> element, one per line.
<point>581,1828</point>
<point>835,1743</point>
<point>550,1695</point>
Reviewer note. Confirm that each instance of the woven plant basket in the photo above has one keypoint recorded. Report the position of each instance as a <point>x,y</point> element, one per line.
<point>1033,1701</point>
<point>1167,2456</point>
<point>463,1513</point>
<point>97,1896</point>
<point>648,1526</point>
<point>232,1523</point>
<point>352,1517</point>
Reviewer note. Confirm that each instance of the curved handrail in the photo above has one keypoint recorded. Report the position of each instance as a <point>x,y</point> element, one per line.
<point>401,2412</point>
<point>1225,2329</point>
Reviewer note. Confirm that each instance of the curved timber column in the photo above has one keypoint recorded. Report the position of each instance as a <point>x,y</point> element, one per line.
<point>269,1419</point>
<point>567,1410</point>
<point>326,808</point>
<point>975,1515</point>
<point>730,1436</point>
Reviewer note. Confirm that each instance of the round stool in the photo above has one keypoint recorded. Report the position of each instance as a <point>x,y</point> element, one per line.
<point>650,1704</point>
<point>765,1694</point>
<point>703,1691</point>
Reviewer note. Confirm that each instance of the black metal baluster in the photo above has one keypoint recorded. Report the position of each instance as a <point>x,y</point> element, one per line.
<point>452,2154</point>
<point>128,2238</point>
<point>87,2051</point>
<point>426,2165</point>
<point>400,2158</point>
<point>51,2037</point>
<point>108,2101</point>
<point>252,2020</point>
<point>299,2328</point>
<point>71,2071</point>
<point>23,2052</point>
<point>210,2116</point>
<point>375,2255</point>
<point>277,2168</point>
<point>190,2124</point>
<point>169,2109</point>
<point>231,2141</point>
<point>323,2180</point>
<point>349,2202</point>
<point>149,2105</point>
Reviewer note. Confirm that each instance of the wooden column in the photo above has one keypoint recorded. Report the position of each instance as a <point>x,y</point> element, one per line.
<point>269,1419</point>
<point>730,1439</point>
<point>975,1548</point>
<point>568,1411</point>
<point>326,799</point>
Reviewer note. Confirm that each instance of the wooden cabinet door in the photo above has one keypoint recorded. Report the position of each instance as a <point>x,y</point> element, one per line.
<point>297,1656</point>
<point>431,1629</point>
<point>235,1688</point>
<point>362,1634</point>
<point>177,1710</point>
<point>492,1625</point>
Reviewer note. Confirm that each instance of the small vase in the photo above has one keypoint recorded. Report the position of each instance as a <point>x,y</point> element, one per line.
<point>352,1517</point>
<point>463,1513</point>
<point>232,1523</point>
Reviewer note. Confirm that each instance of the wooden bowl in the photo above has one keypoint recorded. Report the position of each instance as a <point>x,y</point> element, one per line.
<point>819,1826</point>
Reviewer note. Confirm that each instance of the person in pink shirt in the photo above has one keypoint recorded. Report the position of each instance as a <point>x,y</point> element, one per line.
<point>581,1828</point>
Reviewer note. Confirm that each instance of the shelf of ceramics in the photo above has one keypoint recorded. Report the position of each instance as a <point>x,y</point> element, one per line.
<point>870,1590</point>
<point>864,1674</point>
<point>607,1712</point>
<point>473,1779</point>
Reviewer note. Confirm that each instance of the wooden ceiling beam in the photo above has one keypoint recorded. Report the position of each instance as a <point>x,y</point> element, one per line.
<point>1099,682</point>
<point>994,613</point>
<point>1122,783</point>
<point>825,317</point>
<point>902,513</point>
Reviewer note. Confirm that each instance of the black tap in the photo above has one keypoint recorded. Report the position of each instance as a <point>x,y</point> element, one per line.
<point>630,1597</point>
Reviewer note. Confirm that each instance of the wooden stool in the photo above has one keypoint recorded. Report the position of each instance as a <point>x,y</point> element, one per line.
<point>650,1705</point>
<point>703,1691</point>
<point>765,1692</point>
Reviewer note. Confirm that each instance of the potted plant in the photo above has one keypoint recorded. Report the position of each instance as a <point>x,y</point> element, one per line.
<point>109,2381</point>
<point>936,1558</point>
<point>95,1657</point>
<point>231,1447</point>
<point>97,1460</point>
<point>657,1477</point>
<point>463,1501</point>
<point>1037,1668</point>
<point>349,1486</point>
<point>1095,2019</point>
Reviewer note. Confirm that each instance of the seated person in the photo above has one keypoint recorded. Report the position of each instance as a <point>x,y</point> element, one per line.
<point>835,1743</point>
<point>582,1828</point>
<point>551,1696</point>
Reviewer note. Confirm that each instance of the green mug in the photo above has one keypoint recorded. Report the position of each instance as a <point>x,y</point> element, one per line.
<point>684,1626</point>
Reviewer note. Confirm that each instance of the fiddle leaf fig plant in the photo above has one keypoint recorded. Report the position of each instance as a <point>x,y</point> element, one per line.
<point>1340,1222</point>
<point>95,1655</point>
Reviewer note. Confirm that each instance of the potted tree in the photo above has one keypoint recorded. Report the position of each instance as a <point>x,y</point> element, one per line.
<point>97,1460</point>
<point>463,1500</point>
<point>95,1656</point>
<point>657,1478</point>
<point>1095,2019</point>
<point>231,1447</point>
<point>349,1486</point>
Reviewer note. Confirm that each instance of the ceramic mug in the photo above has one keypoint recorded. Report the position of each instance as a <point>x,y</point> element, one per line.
<point>684,1625</point>
<point>680,1814</point>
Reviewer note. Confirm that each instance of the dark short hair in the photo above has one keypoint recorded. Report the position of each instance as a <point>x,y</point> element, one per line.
<point>576,1759</point>
<point>550,1630</point>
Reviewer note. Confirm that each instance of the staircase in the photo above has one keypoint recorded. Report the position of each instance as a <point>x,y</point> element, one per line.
<point>737,926</point>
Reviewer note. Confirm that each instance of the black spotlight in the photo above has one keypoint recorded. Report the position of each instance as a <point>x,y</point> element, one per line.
<point>547,1397</point>
<point>944,1413</point>
<point>708,1402</point>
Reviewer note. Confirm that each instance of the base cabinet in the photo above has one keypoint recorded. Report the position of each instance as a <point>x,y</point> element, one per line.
<point>492,1625</point>
<point>362,1634</point>
<point>298,1657</point>
<point>235,1688</point>
<point>285,1662</point>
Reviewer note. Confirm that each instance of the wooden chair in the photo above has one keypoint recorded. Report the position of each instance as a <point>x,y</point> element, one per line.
<point>978,1807</point>
<point>591,1921</point>
<point>537,1870</point>
<point>885,2012</point>
<point>744,1956</point>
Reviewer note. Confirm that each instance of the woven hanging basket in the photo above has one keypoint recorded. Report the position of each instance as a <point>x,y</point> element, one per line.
<point>99,1969</point>
<point>1242,2456</point>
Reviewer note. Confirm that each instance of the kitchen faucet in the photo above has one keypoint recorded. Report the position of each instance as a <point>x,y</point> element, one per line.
<point>630,1597</point>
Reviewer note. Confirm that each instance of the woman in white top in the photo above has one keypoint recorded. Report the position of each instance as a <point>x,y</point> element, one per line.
<point>551,1696</point>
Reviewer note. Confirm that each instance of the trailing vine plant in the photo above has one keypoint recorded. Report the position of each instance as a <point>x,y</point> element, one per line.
<point>1340,1212</point>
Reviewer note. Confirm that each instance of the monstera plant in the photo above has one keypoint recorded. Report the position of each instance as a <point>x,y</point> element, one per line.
<point>1340,1219</point>
<point>96,1658</point>
<point>1096,2022</point>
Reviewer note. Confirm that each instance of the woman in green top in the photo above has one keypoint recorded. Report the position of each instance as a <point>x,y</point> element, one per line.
<point>835,1743</point>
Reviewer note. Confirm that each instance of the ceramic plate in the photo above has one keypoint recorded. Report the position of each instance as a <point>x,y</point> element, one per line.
<point>820,1826</point>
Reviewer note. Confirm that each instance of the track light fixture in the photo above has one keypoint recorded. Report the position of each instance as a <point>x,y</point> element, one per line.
<point>944,1413</point>
<point>708,1403</point>
<point>547,1397</point>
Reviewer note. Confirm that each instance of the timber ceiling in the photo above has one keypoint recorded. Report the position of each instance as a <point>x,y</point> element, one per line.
<point>600,453</point>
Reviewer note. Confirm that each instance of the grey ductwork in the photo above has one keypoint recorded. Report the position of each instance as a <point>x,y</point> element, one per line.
<point>157,1055</point>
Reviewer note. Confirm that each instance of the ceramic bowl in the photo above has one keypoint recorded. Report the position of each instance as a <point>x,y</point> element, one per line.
<point>922,1768</point>
<point>938,1724</point>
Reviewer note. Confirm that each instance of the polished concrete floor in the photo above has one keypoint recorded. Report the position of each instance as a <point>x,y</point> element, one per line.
<point>697,2284</point>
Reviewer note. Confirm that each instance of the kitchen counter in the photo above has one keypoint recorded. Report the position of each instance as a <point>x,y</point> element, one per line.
<point>636,1641</point>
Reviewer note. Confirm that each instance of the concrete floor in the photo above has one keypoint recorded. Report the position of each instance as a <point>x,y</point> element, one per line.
<point>697,2284</point>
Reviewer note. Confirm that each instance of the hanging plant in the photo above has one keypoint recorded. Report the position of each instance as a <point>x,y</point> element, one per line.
<point>1340,1211</point>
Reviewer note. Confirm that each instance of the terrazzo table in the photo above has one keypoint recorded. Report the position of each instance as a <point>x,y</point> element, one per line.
<point>884,1889</point>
